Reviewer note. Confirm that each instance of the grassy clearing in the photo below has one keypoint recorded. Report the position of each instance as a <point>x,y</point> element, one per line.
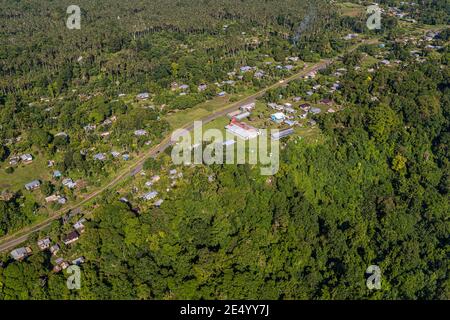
<point>351,9</point>
<point>23,174</point>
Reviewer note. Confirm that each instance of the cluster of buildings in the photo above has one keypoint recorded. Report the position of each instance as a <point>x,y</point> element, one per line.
<point>24,158</point>
<point>46,244</point>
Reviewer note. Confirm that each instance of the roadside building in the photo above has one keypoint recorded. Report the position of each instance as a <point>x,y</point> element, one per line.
<point>21,253</point>
<point>281,134</point>
<point>242,130</point>
<point>44,243</point>
<point>242,115</point>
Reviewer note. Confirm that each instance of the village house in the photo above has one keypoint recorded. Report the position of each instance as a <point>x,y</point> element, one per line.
<point>44,243</point>
<point>290,110</point>
<point>61,134</point>
<point>221,94</point>
<point>327,102</point>
<point>143,96</point>
<point>150,195</point>
<point>233,114</point>
<point>259,74</point>
<point>242,116</point>
<point>26,158</point>
<point>60,265</point>
<point>52,198</point>
<point>115,154</point>
<point>100,157</point>
<point>149,184</point>
<point>54,249</point>
<point>33,185</point>
<point>57,174</point>
<point>202,87</point>
<point>305,106</point>
<point>140,133</point>
<point>291,123</point>
<point>78,261</point>
<point>248,107</point>
<point>278,117</point>
<point>21,253</point>
<point>68,182</point>
<point>315,110</point>
<point>71,238</point>
<point>14,160</point>
<point>158,203</point>
<point>350,36</point>
<point>246,69</point>
<point>79,225</point>
<point>281,134</point>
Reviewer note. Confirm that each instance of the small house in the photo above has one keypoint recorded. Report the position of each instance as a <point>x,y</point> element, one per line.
<point>100,157</point>
<point>248,107</point>
<point>327,102</point>
<point>115,154</point>
<point>143,96</point>
<point>281,134</point>
<point>140,133</point>
<point>315,110</point>
<point>158,203</point>
<point>33,185</point>
<point>71,238</point>
<point>150,195</point>
<point>79,225</point>
<point>54,249</point>
<point>44,243</point>
<point>78,261</point>
<point>68,182</point>
<point>278,117</point>
<point>21,253</point>
<point>26,158</point>
<point>57,174</point>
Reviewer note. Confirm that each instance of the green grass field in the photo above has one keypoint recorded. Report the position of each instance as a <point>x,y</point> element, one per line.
<point>351,9</point>
<point>23,174</point>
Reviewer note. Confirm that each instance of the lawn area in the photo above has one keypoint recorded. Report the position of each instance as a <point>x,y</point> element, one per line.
<point>180,118</point>
<point>24,173</point>
<point>351,9</point>
<point>368,61</point>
